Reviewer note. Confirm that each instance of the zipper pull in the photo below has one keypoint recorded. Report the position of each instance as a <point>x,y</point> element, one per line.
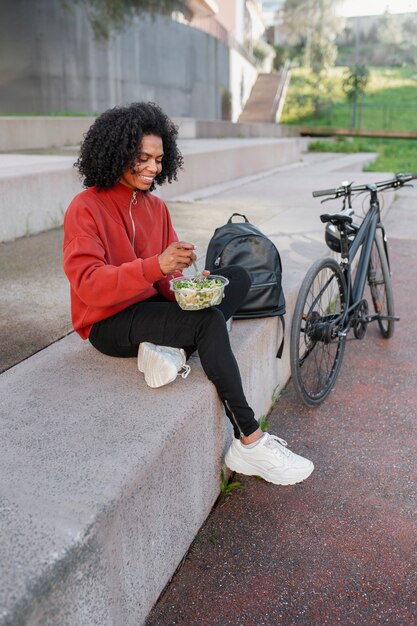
<point>133,201</point>
<point>217,262</point>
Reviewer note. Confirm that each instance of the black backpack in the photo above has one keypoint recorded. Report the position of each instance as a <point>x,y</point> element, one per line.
<point>242,243</point>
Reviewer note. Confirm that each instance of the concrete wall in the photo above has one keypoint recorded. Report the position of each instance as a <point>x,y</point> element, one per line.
<point>49,62</point>
<point>243,76</point>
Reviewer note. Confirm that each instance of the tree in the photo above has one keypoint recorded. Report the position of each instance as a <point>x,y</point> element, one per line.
<point>280,55</point>
<point>409,45</point>
<point>106,16</point>
<point>391,35</point>
<point>313,23</point>
<point>390,31</point>
<point>262,51</point>
<point>354,85</point>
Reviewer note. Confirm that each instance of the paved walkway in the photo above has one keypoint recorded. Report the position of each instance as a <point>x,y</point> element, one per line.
<point>341,547</point>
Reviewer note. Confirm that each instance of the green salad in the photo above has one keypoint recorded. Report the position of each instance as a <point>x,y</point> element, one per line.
<point>194,294</point>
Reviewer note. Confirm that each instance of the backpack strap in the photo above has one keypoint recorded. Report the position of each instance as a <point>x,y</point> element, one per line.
<point>281,347</point>
<point>229,221</point>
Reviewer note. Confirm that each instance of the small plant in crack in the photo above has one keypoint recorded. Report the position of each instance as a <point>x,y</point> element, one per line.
<point>263,423</point>
<point>228,486</point>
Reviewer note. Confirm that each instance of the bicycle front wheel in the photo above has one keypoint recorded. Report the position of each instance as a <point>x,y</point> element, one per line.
<point>380,285</point>
<point>316,346</point>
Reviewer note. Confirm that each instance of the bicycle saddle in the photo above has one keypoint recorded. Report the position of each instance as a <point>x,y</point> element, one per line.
<point>342,217</point>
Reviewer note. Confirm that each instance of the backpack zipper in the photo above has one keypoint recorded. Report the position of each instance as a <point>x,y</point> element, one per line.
<point>218,259</point>
<point>253,286</point>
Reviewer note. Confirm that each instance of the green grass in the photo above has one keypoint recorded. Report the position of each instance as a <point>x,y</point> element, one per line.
<point>306,97</point>
<point>390,101</point>
<point>394,155</point>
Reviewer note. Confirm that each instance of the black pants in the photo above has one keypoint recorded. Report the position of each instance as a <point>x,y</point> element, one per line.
<point>164,323</point>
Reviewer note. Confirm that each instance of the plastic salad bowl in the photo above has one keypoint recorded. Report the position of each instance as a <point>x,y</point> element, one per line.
<point>193,294</point>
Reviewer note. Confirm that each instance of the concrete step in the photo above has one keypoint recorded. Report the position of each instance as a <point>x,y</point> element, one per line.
<point>212,161</point>
<point>52,133</point>
<point>40,187</point>
<point>105,482</point>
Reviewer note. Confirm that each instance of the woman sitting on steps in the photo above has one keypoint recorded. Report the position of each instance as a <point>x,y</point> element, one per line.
<point>120,254</point>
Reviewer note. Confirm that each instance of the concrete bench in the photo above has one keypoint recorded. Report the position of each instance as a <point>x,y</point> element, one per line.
<point>108,481</point>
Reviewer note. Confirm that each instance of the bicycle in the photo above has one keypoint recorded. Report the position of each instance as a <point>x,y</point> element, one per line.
<point>331,300</point>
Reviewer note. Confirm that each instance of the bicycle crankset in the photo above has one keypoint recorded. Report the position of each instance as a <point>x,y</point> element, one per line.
<point>360,319</point>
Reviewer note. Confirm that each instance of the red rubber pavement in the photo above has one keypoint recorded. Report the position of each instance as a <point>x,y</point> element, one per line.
<point>339,548</point>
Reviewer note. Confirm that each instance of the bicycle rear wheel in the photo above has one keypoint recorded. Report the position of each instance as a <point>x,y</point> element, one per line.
<point>316,349</point>
<point>380,285</point>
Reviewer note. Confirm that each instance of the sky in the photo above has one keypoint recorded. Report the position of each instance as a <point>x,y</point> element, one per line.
<point>374,7</point>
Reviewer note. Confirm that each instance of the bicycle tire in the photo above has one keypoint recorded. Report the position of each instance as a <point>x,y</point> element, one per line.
<point>315,363</point>
<point>380,285</point>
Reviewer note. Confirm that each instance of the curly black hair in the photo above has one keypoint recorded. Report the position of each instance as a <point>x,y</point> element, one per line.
<point>111,144</point>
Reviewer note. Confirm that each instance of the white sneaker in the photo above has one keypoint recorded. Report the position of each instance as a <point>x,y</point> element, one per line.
<point>270,459</point>
<point>161,364</point>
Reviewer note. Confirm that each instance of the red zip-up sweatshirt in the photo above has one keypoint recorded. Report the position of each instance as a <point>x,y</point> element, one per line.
<point>112,240</point>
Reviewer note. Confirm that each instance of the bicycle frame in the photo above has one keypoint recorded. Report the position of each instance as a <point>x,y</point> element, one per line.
<point>363,240</point>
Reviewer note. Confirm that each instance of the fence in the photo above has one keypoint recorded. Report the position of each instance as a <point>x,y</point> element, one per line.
<point>369,116</point>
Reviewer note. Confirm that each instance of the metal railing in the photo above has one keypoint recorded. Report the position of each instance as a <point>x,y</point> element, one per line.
<point>278,104</point>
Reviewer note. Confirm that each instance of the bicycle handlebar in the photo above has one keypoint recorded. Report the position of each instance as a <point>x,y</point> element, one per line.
<point>347,189</point>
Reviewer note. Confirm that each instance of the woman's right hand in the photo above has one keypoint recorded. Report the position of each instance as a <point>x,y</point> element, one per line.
<point>177,256</point>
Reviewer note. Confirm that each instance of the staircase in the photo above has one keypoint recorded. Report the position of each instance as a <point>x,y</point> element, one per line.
<point>260,106</point>
<point>267,97</point>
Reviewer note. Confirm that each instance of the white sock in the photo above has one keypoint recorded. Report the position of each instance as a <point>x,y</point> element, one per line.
<point>255,443</point>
